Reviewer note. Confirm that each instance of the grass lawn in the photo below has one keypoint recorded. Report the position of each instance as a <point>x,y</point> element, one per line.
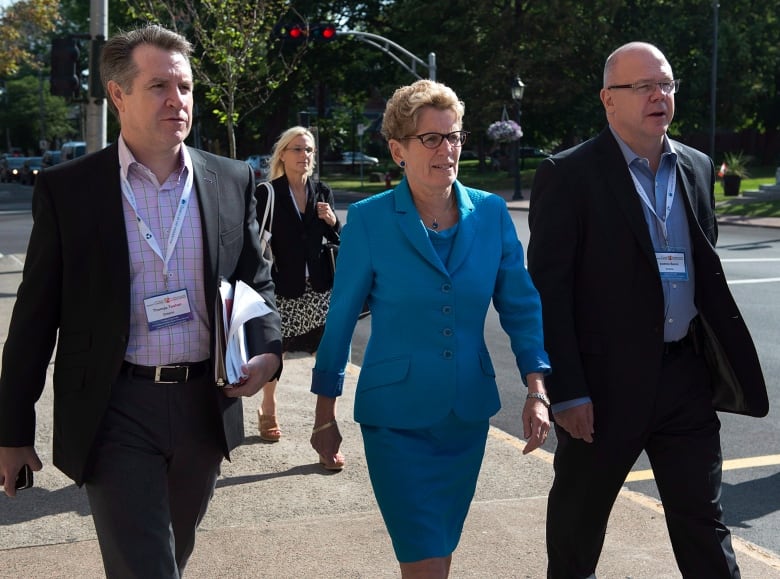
<point>470,174</point>
<point>749,206</point>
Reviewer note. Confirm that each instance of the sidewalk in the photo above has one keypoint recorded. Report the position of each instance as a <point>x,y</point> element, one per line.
<point>277,513</point>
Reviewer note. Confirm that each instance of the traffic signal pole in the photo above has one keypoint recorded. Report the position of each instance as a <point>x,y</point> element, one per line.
<point>326,31</point>
<point>96,105</point>
<point>388,46</point>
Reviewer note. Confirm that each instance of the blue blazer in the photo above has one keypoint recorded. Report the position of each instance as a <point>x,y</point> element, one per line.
<point>426,356</point>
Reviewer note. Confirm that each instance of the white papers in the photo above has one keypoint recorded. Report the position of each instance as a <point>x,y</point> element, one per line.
<point>235,306</point>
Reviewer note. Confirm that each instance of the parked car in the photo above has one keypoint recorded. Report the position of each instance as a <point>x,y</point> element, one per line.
<point>532,152</point>
<point>261,164</point>
<point>29,171</point>
<point>10,169</point>
<point>73,149</point>
<point>51,158</point>
<point>356,158</point>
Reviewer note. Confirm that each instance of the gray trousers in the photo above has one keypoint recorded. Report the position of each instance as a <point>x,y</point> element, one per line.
<point>152,473</point>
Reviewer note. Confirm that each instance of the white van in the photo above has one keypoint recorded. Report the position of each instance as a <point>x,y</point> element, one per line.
<point>72,149</point>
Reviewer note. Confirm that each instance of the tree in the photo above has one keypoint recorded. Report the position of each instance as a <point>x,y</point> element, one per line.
<point>32,114</point>
<point>25,27</point>
<point>559,47</point>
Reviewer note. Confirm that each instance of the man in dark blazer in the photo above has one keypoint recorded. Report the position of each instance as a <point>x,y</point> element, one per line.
<point>642,331</point>
<point>124,259</point>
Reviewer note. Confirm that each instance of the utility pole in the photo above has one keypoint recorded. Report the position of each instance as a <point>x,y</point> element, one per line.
<point>96,105</point>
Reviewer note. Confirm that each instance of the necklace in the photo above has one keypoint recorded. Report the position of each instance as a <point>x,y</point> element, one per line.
<point>435,222</point>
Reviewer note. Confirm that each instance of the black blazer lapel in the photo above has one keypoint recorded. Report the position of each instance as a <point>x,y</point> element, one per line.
<point>621,187</point>
<point>108,198</point>
<point>206,183</point>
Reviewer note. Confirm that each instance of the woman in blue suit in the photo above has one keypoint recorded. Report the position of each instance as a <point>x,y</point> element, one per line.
<point>428,256</point>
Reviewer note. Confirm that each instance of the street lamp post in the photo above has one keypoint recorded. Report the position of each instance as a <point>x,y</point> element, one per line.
<point>518,90</point>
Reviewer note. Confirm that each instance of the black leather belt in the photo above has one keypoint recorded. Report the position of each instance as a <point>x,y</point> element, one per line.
<point>679,345</point>
<point>172,374</point>
<point>688,341</point>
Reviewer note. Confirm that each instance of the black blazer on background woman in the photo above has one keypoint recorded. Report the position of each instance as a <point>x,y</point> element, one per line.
<point>296,240</point>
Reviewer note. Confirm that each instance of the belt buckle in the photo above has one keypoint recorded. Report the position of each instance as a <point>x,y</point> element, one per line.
<point>158,374</point>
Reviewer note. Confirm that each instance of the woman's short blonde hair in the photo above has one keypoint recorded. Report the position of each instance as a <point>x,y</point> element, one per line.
<point>403,109</point>
<point>276,164</point>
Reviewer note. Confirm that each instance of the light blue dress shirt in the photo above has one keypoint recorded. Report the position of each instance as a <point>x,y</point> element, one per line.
<point>679,307</point>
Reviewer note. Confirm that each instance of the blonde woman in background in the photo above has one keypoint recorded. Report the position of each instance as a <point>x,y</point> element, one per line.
<point>303,216</point>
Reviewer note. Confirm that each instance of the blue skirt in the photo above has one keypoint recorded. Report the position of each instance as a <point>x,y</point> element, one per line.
<point>424,480</point>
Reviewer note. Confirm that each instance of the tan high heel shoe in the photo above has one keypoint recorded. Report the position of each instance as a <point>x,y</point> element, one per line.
<point>269,428</point>
<point>337,465</point>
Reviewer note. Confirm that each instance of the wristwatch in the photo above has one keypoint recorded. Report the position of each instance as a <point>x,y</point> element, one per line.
<point>540,396</point>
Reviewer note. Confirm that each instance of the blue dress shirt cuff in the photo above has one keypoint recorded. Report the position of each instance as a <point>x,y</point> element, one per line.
<point>561,406</point>
<point>329,384</point>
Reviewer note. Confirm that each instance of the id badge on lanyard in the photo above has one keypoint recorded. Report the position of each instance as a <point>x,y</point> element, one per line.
<point>671,260</point>
<point>171,307</point>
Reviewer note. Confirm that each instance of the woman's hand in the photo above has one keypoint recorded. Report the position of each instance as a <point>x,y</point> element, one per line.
<point>536,424</point>
<point>325,212</point>
<point>536,415</point>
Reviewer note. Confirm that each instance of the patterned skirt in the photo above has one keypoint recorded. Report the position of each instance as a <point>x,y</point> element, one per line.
<point>303,319</point>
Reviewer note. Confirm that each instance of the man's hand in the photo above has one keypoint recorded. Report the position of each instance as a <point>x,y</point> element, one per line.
<point>258,370</point>
<point>12,459</point>
<point>577,421</point>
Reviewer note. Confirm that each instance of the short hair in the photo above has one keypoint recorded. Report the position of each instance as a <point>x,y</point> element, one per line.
<point>403,109</point>
<point>276,163</point>
<point>116,58</point>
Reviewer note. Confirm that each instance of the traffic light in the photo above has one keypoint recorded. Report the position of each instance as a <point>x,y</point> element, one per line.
<point>96,90</point>
<point>324,32</point>
<point>64,79</point>
<point>300,33</point>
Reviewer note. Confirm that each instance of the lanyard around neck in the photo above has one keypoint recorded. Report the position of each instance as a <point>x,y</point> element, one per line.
<point>178,220</point>
<point>671,186</point>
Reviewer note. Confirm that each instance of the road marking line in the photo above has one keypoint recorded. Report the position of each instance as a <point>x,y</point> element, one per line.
<point>520,444</point>
<point>733,464</point>
<point>759,280</point>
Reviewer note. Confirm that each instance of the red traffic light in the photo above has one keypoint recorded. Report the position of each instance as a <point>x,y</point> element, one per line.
<point>326,31</point>
<point>296,32</point>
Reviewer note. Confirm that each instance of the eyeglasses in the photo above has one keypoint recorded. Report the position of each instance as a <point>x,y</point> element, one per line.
<point>646,87</point>
<point>433,140</point>
<point>299,150</point>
